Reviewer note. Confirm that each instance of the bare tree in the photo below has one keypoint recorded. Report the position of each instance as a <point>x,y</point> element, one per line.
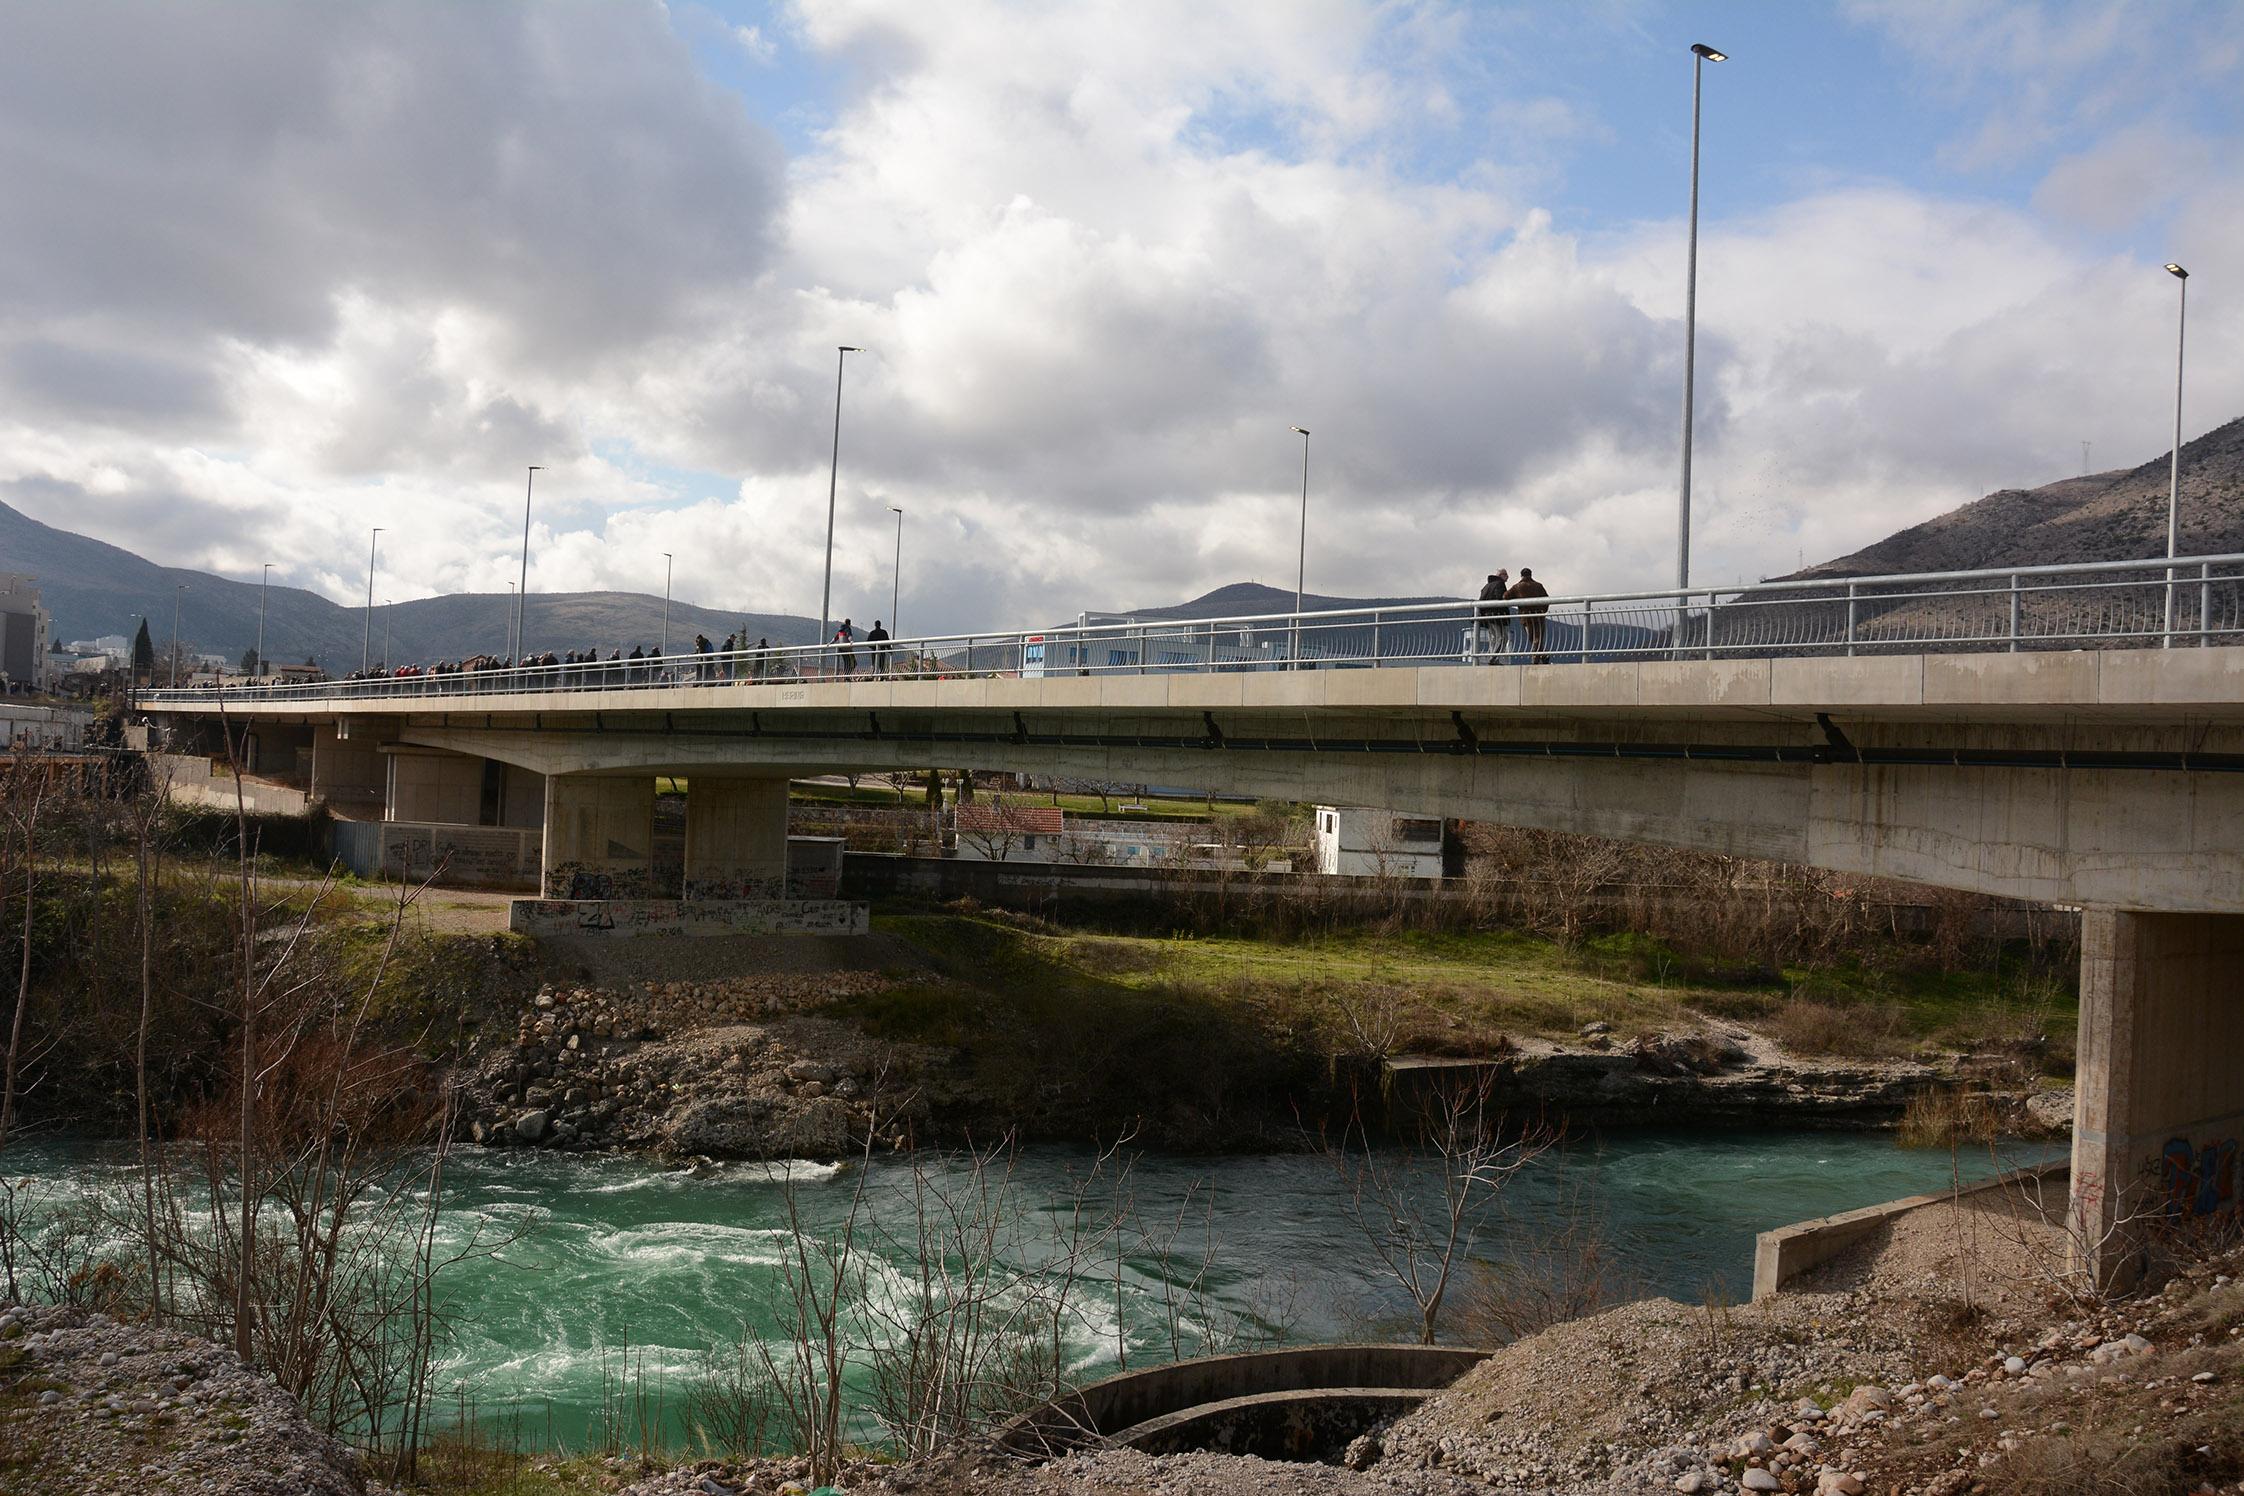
<point>1421,1209</point>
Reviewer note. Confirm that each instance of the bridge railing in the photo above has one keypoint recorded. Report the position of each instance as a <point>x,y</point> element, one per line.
<point>2196,600</point>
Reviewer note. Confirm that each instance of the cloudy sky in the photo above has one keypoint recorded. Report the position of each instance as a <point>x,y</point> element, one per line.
<point>271,274</point>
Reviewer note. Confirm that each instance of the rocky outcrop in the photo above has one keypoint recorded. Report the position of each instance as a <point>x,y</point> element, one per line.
<point>89,1404</point>
<point>591,1069</point>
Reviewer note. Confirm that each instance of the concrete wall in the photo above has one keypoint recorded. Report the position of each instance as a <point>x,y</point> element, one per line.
<point>1782,1255</point>
<point>471,856</point>
<point>347,770</point>
<point>626,917</point>
<point>736,838</point>
<point>209,784</point>
<point>522,802</point>
<point>2160,1086</point>
<point>599,837</point>
<point>429,785</point>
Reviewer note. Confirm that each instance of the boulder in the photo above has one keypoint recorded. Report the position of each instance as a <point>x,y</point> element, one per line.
<point>530,1127</point>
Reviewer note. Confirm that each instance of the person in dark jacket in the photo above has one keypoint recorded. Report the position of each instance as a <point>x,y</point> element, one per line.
<point>877,637</point>
<point>1531,612</point>
<point>701,652</point>
<point>846,637</point>
<point>1493,622</point>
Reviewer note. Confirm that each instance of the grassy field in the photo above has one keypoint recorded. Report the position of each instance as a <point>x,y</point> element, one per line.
<point>1442,992</point>
<point>1088,806</point>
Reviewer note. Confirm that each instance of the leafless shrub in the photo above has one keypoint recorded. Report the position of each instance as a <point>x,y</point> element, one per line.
<point>1546,1277</point>
<point>1421,1210</point>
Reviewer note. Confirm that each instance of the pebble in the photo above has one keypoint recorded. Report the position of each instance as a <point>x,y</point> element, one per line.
<point>1691,1482</point>
<point>1758,1479</point>
<point>2014,1366</point>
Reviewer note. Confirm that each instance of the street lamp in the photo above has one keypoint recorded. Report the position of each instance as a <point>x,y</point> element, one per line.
<point>522,596</point>
<point>366,642</point>
<point>181,587</point>
<point>833,480</point>
<point>1701,55</point>
<point>264,586</point>
<point>896,577</point>
<point>1301,560</point>
<point>666,562</point>
<point>2174,459</point>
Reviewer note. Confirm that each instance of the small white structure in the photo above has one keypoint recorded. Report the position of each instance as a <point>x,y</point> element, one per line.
<point>1368,843</point>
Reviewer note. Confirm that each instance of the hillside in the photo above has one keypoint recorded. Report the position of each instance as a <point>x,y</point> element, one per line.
<point>2112,516</point>
<point>94,588</point>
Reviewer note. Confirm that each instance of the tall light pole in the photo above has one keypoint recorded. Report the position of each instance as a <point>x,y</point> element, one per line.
<point>833,481</point>
<point>522,594</point>
<point>666,562</point>
<point>264,586</point>
<point>896,577</point>
<point>389,611</point>
<point>1301,559</point>
<point>510,623</point>
<point>2174,461</point>
<point>181,587</point>
<point>1701,55</point>
<point>366,643</point>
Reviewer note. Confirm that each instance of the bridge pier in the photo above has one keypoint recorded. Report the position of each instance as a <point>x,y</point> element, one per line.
<point>599,836</point>
<point>347,769</point>
<point>2159,1100</point>
<point>736,838</point>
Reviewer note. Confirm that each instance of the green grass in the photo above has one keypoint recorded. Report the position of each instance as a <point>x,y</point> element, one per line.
<point>1086,806</point>
<point>1457,991</point>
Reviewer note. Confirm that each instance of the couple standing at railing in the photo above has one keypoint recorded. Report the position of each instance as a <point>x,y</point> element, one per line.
<point>1494,620</point>
<point>845,648</point>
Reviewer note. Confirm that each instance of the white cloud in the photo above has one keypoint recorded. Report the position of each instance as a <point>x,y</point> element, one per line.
<point>760,48</point>
<point>1100,257</point>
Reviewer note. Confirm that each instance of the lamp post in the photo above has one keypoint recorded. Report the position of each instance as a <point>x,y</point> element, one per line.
<point>1701,54</point>
<point>181,587</point>
<point>522,594</point>
<point>666,563</point>
<point>264,585</point>
<point>366,642</point>
<point>1301,559</point>
<point>896,577</point>
<point>2174,459</point>
<point>833,481</point>
<point>510,623</point>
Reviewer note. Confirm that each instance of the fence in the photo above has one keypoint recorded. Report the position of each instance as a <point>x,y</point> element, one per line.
<point>2196,600</point>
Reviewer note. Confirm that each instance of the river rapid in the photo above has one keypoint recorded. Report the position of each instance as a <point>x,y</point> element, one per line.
<point>625,1272</point>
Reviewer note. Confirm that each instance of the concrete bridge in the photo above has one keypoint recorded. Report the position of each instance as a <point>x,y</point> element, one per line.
<point>2110,778</point>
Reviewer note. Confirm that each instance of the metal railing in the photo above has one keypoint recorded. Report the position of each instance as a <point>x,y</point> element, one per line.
<point>2196,600</point>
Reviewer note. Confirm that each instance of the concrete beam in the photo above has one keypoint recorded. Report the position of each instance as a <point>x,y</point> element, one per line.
<point>2159,1098</point>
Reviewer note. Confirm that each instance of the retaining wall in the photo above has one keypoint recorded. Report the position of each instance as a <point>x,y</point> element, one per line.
<point>627,917</point>
<point>1782,1255</point>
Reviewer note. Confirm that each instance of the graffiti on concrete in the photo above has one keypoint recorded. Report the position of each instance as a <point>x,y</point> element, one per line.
<point>622,917</point>
<point>2198,1180</point>
<point>577,880</point>
<point>738,886</point>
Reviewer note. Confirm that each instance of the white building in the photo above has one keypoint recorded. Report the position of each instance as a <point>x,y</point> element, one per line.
<point>24,626</point>
<point>1367,843</point>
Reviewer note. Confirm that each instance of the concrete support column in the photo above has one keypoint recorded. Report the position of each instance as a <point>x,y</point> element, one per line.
<point>599,837</point>
<point>2159,1099</point>
<point>736,838</point>
<point>347,770</point>
<point>430,784</point>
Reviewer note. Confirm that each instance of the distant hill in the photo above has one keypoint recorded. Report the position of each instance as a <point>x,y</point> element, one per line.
<point>2114,516</point>
<point>94,588</point>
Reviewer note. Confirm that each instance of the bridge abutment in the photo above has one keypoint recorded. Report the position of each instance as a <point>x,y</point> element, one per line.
<point>736,838</point>
<point>2160,1084</point>
<point>599,837</point>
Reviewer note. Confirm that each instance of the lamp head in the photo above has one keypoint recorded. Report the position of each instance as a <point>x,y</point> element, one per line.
<point>1707,52</point>
<point>892,509</point>
<point>1303,430</point>
<point>2176,271</point>
<point>845,348</point>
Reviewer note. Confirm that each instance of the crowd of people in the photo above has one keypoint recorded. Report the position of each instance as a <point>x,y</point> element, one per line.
<point>706,663</point>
